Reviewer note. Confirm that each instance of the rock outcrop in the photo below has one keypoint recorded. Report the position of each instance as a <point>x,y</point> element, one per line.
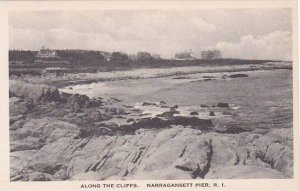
<point>71,137</point>
<point>171,153</point>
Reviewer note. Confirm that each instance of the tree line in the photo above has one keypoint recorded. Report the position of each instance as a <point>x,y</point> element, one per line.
<point>80,56</point>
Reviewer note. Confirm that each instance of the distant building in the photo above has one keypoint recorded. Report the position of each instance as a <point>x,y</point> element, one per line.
<point>211,54</point>
<point>107,55</point>
<point>46,53</point>
<point>185,56</point>
<point>47,56</point>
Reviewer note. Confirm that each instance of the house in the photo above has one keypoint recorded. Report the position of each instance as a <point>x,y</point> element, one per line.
<point>185,56</point>
<point>46,53</point>
<point>47,56</point>
<point>210,54</point>
<point>106,55</point>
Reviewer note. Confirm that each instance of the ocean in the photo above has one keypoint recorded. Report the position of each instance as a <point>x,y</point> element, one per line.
<point>264,99</point>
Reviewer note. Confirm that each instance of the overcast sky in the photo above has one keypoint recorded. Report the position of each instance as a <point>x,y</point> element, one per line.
<point>244,33</point>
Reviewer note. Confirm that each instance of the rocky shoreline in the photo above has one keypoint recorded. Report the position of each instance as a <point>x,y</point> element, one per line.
<point>62,136</point>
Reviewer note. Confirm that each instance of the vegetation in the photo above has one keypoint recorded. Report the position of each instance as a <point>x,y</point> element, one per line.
<point>22,55</point>
<point>82,56</point>
<point>119,57</point>
<point>93,61</point>
<point>144,58</point>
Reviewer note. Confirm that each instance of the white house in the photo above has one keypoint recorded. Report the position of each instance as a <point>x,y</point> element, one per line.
<point>46,53</point>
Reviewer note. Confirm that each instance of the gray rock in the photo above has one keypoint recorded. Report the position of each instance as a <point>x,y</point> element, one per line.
<point>147,155</point>
<point>194,113</point>
<point>37,176</point>
<point>223,105</point>
<point>149,104</point>
<point>238,75</point>
<point>130,120</point>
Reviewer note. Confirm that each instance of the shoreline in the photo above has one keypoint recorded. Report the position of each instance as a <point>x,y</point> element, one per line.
<point>142,73</point>
<point>74,83</point>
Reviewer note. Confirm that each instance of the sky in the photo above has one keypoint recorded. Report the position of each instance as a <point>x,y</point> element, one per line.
<point>237,33</point>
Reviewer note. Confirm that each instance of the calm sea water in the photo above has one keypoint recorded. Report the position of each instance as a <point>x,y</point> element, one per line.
<point>262,100</point>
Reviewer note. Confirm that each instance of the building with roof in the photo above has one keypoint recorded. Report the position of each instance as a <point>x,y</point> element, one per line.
<point>46,53</point>
<point>211,54</point>
<point>185,56</point>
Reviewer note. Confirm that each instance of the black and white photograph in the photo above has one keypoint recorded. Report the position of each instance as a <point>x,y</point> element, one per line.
<point>151,94</point>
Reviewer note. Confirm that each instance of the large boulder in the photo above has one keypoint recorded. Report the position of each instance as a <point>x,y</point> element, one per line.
<point>35,92</point>
<point>76,101</point>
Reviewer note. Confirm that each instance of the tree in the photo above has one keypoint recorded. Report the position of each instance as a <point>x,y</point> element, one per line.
<point>144,56</point>
<point>119,57</point>
<point>22,55</point>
